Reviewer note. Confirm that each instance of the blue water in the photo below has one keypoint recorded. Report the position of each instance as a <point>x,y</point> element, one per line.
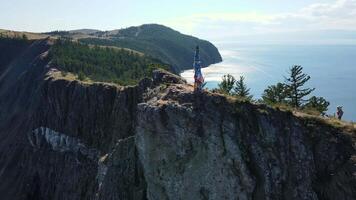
<point>332,69</point>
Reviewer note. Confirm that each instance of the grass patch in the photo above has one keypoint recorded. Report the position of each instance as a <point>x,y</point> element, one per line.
<point>306,113</point>
<point>63,75</point>
<point>349,127</point>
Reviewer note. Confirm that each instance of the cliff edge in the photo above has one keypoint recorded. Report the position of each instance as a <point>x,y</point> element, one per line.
<point>68,139</point>
<point>206,146</point>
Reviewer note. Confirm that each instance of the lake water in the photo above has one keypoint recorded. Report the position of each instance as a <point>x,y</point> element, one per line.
<point>332,69</point>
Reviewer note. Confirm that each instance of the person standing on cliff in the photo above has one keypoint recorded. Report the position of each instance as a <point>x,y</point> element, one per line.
<point>339,112</point>
<point>198,76</point>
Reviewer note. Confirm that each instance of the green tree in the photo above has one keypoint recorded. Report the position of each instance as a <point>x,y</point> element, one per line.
<point>317,103</point>
<point>275,94</point>
<point>81,76</point>
<point>226,84</point>
<point>294,85</point>
<point>24,37</point>
<point>241,89</point>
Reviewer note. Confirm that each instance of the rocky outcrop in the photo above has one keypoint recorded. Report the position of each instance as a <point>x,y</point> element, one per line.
<point>201,146</point>
<point>65,139</point>
<point>162,76</point>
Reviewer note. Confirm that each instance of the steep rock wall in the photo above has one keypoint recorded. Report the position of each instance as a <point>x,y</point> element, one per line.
<point>59,138</point>
<point>201,146</point>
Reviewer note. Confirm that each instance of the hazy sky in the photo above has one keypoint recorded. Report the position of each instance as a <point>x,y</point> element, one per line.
<point>210,19</point>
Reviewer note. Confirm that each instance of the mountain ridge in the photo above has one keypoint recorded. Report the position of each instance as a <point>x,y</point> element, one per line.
<point>157,41</point>
<point>161,42</point>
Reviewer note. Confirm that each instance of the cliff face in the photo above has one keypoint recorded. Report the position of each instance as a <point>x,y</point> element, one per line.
<point>64,139</point>
<point>59,138</point>
<point>201,146</point>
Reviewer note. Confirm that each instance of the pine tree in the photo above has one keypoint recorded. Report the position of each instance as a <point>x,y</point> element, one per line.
<point>294,85</point>
<point>241,89</point>
<point>24,37</point>
<point>317,103</point>
<point>275,94</point>
<point>81,76</point>
<point>227,84</point>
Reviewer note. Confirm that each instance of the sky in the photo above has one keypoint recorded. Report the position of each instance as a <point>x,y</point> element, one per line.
<point>218,20</point>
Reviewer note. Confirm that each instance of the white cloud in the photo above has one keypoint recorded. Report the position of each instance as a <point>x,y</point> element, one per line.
<point>339,8</point>
<point>340,14</point>
<point>337,15</point>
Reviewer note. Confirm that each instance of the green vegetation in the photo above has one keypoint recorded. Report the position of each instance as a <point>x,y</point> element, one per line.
<point>14,36</point>
<point>287,96</point>
<point>292,93</point>
<point>157,41</point>
<point>275,94</point>
<point>102,64</point>
<point>226,84</point>
<point>230,86</point>
<point>160,42</point>
<point>58,33</point>
<point>241,89</point>
<point>317,103</point>
<point>294,86</point>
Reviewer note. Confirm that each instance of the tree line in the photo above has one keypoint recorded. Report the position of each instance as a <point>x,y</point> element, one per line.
<point>15,37</point>
<point>98,63</point>
<point>290,93</point>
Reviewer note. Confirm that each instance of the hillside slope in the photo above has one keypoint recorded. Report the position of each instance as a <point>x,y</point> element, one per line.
<point>155,40</point>
<point>115,65</point>
<point>67,139</point>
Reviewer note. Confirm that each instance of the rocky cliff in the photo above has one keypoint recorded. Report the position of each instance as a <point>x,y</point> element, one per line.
<point>66,139</point>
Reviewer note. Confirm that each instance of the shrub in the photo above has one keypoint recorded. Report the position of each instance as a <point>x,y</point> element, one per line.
<point>318,104</point>
<point>226,84</point>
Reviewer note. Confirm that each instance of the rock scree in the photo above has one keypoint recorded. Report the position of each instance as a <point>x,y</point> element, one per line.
<point>66,139</point>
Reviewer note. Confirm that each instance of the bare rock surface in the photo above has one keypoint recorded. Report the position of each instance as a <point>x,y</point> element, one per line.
<point>202,146</point>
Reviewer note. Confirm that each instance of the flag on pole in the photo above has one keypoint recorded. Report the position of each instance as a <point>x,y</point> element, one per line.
<point>198,76</point>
